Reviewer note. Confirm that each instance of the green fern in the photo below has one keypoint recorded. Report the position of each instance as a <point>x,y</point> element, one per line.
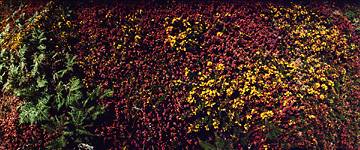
<point>47,82</point>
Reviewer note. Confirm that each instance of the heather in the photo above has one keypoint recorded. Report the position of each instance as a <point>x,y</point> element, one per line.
<point>179,75</point>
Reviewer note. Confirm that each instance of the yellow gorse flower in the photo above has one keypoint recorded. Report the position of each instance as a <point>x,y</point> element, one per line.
<point>219,66</point>
<point>324,86</point>
<point>331,83</point>
<point>229,91</point>
<point>186,71</point>
<point>215,123</point>
<point>316,85</point>
<point>267,114</point>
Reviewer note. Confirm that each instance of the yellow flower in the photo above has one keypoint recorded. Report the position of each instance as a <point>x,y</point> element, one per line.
<point>322,32</point>
<point>311,116</point>
<point>197,126</point>
<point>211,82</point>
<point>323,79</point>
<point>331,83</point>
<point>246,126</point>
<point>182,35</point>
<point>238,103</point>
<point>266,76</point>
<point>190,99</point>
<point>220,67</point>
<point>299,95</point>
<point>175,19</point>
<point>302,34</point>
<point>288,93</point>
<point>266,114</point>
<point>215,123</point>
<point>186,71</point>
<point>266,147</point>
<point>287,15</point>
<point>172,42</point>
<point>322,96</point>
<point>137,38</point>
<point>190,128</point>
<point>207,128</point>
<point>209,63</point>
<point>343,71</point>
<point>253,111</point>
<point>237,122</point>
<point>219,33</point>
<point>324,87</point>
<point>311,90</point>
<point>249,116</point>
<point>316,85</point>
<point>285,102</point>
<point>229,91</point>
<point>311,70</point>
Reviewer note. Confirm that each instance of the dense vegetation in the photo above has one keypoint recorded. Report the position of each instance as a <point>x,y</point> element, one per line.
<point>216,75</point>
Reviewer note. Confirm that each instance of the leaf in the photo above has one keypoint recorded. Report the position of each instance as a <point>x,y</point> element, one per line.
<point>7,28</point>
<point>59,99</point>
<point>96,114</point>
<point>3,51</point>
<point>74,84</point>
<point>70,61</point>
<point>91,109</point>
<point>41,36</point>
<point>67,133</point>
<point>6,86</point>
<point>73,97</point>
<point>41,47</point>
<point>41,82</point>
<point>77,116</point>
<point>55,76</point>
<point>107,93</point>
<point>59,87</point>
<point>60,74</point>
<point>42,39</point>
<point>84,132</point>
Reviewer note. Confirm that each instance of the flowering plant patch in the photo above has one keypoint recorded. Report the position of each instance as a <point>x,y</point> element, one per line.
<point>213,75</point>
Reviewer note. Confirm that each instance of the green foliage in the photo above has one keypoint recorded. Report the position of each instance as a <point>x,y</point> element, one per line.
<point>53,93</point>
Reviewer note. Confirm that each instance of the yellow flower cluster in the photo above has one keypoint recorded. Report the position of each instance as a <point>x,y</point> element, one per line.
<point>186,33</point>
<point>266,114</point>
<point>308,36</point>
<point>220,67</point>
<point>270,89</point>
<point>214,94</point>
<point>209,93</point>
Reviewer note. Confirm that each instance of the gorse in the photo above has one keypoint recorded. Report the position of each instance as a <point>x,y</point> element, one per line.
<point>48,83</point>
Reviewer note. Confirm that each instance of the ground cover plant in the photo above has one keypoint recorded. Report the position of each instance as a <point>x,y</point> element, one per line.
<point>179,75</point>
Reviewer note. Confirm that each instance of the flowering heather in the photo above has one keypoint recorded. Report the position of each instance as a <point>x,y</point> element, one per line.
<point>218,75</point>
